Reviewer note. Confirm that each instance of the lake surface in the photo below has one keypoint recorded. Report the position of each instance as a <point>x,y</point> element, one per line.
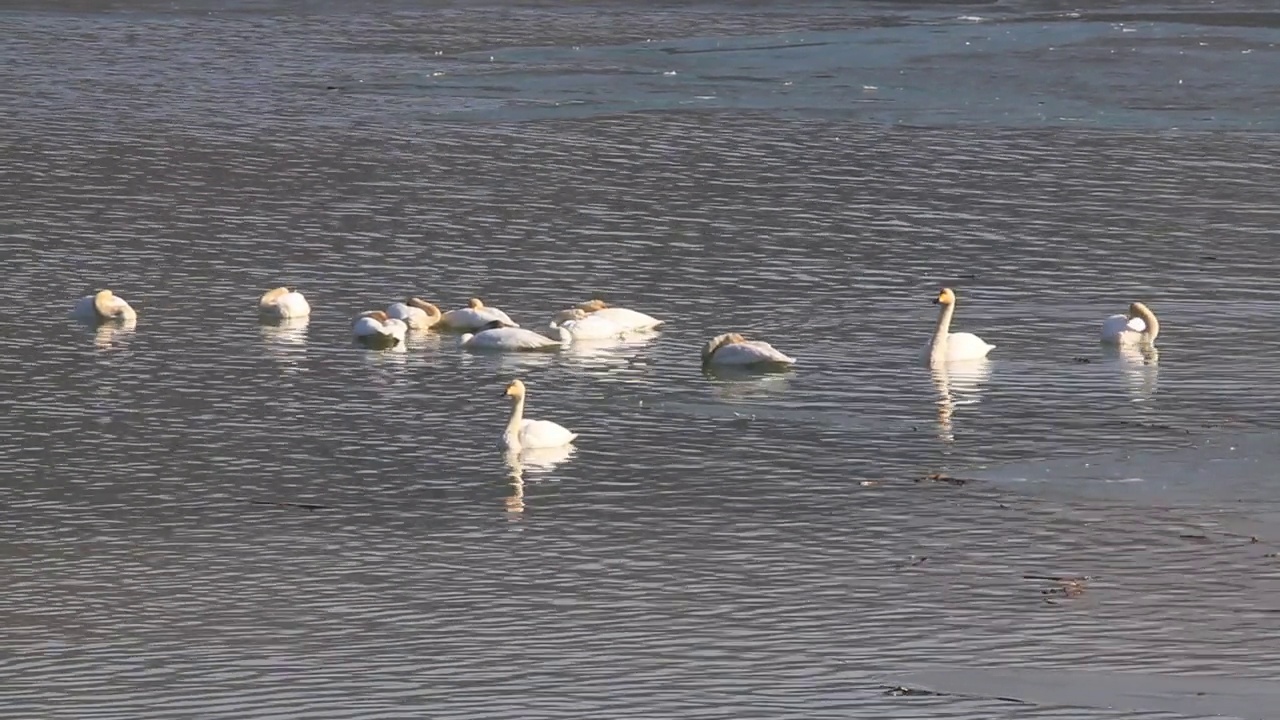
<point>204,517</point>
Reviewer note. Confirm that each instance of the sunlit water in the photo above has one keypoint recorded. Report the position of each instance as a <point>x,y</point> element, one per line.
<point>207,517</point>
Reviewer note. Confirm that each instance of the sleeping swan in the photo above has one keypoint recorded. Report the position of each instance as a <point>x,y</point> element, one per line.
<point>576,324</point>
<point>1138,326</point>
<point>628,320</point>
<point>376,330</point>
<point>417,314</point>
<point>103,306</point>
<point>946,346</point>
<point>496,336</point>
<point>474,317</point>
<point>529,434</point>
<point>282,303</point>
<point>732,349</point>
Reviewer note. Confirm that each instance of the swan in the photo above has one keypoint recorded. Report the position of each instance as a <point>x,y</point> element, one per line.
<point>946,346</point>
<point>629,320</point>
<point>282,303</point>
<point>474,316</point>
<point>576,324</point>
<point>1138,326</point>
<point>734,349</point>
<point>497,336</point>
<point>374,329</point>
<point>103,306</point>
<point>417,314</point>
<point>526,434</point>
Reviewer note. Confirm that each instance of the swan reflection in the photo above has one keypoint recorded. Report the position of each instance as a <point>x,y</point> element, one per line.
<point>1140,367</point>
<point>113,334</point>
<point>285,340</point>
<point>746,384</point>
<point>534,461</point>
<point>958,383</point>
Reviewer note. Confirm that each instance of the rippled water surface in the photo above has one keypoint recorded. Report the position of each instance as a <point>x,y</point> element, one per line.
<point>208,517</point>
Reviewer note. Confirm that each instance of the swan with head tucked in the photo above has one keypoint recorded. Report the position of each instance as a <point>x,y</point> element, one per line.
<point>1138,326</point>
<point>946,346</point>
<point>577,324</point>
<point>417,314</point>
<point>627,319</point>
<point>500,337</point>
<point>529,434</point>
<point>732,349</point>
<point>374,329</point>
<point>283,303</point>
<point>103,306</point>
<point>475,316</point>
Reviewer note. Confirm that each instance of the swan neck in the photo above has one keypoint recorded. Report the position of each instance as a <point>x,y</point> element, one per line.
<point>513,425</point>
<point>1153,325</point>
<point>938,347</point>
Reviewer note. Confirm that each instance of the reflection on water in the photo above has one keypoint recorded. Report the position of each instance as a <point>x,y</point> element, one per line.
<point>743,386</point>
<point>957,383</point>
<point>1139,367</point>
<point>112,335</point>
<point>286,340</point>
<point>535,462</point>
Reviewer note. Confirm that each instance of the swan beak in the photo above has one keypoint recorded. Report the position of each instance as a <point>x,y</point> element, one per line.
<point>936,300</point>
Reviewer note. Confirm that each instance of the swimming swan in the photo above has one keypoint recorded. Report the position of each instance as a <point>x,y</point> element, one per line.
<point>1138,326</point>
<point>522,434</point>
<point>629,320</point>
<point>417,314</point>
<point>376,330</point>
<point>946,346</point>
<point>474,316</point>
<point>576,324</point>
<point>103,306</point>
<point>496,336</point>
<point>734,349</point>
<point>282,303</point>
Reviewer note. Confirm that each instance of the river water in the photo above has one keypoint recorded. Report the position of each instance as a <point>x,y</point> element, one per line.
<point>204,517</point>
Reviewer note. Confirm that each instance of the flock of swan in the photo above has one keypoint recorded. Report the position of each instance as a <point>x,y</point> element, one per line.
<point>485,328</point>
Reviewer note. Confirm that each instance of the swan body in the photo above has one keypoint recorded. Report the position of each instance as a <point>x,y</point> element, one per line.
<point>732,349</point>
<point>576,324</point>
<point>625,318</point>
<point>103,306</point>
<point>417,314</point>
<point>376,330</point>
<point>521,433</point>
<point>497,336</point>
<point>475,316</point>
<point>946,346</point>
<point>1139,325</point>
<point>282,303</point>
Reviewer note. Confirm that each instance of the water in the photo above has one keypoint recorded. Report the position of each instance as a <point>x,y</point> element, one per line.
<point>760,547</point>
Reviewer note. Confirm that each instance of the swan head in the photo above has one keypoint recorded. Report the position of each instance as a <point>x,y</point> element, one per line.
<point>515,389</point>
<point>104,303</point>
<point>475,303</point>
<point>718,342</point>
<point>592,305</point>
<point>271,296</point>
<point>492,325</point>
<point>1137,309</point>
<point>946,296</point>
<point>564,316</point>
<point>433,312</point>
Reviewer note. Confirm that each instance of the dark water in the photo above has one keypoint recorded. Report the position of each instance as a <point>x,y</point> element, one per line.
<point>712,548</point>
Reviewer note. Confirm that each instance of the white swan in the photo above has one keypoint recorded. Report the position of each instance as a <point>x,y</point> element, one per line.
<point>474,316</point>
<point>1138,326</point>
<point>732,349</point>
<point>417,314</point>
<point>496,336</point>
<point>282,303</point>
<point>625,318</point>
<point>946,346</point>
<point>103,306</point>
<point>576,324</point>
<point>522,434</point>
<point>374,329</point>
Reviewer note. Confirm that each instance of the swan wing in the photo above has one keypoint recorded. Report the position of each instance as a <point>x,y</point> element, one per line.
<point>593,327</point>
<point>366,326</point>
<point>509,338</point>
<point>1122,328</point>
<point>544,433</point>
<point>750,353</point>
<point>84,308</point>
<point>473,319</point>
<point>293,304</point>
<point>967,346</point>
<point>628,319</point>
<point>412,316</point>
